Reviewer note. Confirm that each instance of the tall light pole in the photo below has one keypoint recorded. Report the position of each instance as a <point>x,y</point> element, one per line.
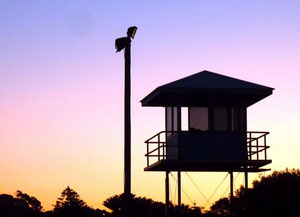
<point>120,44</point>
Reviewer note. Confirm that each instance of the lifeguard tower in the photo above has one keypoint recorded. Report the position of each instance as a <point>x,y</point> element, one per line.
<point>217,139</point>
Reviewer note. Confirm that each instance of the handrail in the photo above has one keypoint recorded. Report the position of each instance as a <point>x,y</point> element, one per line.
<point>263,149</point>
<point>258,132</point>
<point>264,134</point>
<point>158,134</point>
<point>154,150</point>
<point>259,148</point>
<point>154,136</point>
<point>255,144</point>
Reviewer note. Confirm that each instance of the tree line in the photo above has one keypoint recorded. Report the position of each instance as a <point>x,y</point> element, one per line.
<point>275,195</point>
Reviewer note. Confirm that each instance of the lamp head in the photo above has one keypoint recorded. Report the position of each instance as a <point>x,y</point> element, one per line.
<point>131,31</point>
<point>120,43</point>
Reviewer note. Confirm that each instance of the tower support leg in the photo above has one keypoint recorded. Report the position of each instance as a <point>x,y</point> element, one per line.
<point>246,180</point>
<point>231,185</point>
<point>167,193</point>
<point>179,188</point>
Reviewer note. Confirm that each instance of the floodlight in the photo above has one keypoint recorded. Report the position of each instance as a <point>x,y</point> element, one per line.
<point>120,43</point>
<point>131,31</point>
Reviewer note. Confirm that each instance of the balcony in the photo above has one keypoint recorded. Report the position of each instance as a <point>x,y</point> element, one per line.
<point>207,151</point>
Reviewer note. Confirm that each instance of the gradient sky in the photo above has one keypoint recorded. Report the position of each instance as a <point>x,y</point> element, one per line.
<point>61,87</point>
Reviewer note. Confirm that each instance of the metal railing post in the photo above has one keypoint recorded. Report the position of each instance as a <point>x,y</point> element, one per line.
<point>158,147</point>
<point>257,154</point>
<point>265,141</point>
<point>250,148</point>
<point>164,157</point>
<point>147,154</point>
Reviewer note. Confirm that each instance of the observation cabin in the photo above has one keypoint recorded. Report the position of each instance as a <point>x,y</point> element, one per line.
<point>217,138</point>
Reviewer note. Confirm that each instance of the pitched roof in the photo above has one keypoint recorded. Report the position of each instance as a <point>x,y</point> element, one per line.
<point>207,79</point>
<point>207,88</point>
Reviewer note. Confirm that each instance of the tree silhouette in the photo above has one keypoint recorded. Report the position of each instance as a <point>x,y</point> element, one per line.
<point>32,202</point>
<point>69,204</point>
<point>144,207</point>
<point>69,199</point>
<point>16,207</point>
<point>136,206</point>
<point>275,195</point>
<point>221,207</point>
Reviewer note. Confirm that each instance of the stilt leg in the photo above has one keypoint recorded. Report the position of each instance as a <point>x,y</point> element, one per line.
<point>167,194</point>
<point>231,185</point>
<point>246,180</point>
<point>179,188</point>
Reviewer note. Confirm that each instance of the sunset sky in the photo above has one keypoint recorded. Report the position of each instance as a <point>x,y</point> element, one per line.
<point>61,87</point>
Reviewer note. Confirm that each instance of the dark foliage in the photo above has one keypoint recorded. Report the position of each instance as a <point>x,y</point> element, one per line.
<point>69,199</point>
<point>141,206</point>
<point>16,207</point>
<point>221,207</point>
<point>32,202</point>
<point>276,195</point>
<point>136,206</point>
<point>70,205</point>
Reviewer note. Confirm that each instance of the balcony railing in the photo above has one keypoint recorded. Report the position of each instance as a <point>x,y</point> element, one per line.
<point>157,147</point>
<point>257,145</point>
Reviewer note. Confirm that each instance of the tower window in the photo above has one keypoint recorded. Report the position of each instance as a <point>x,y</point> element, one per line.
<point>198,118</point>
<point>220,119</point>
